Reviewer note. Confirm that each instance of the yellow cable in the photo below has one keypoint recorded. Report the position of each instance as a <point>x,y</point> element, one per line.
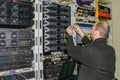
<point>65,41</point>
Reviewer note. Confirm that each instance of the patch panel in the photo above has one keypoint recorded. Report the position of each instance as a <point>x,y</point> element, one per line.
<point>85,13</point>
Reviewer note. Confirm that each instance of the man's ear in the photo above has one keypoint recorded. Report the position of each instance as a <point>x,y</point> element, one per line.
<point>96,32</point>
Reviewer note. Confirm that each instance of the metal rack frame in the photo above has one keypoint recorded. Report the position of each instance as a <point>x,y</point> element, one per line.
<point>38,48</point>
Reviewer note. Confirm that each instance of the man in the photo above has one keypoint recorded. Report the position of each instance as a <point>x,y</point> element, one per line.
<point>97,58</point>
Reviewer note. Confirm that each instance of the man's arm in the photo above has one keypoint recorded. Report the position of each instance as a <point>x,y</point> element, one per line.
<point>85,40</point>
<point>81,54</point>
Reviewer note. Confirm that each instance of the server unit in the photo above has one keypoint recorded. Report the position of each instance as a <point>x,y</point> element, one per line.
<point>56,18</point>
<point>16,39</point>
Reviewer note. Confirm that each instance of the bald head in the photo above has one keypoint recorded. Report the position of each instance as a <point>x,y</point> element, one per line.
<point>103,28</point>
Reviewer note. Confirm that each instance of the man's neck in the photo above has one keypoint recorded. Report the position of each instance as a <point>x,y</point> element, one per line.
<point>97,37</point>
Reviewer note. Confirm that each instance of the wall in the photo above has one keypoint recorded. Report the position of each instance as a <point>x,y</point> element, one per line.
<point>116,33</point>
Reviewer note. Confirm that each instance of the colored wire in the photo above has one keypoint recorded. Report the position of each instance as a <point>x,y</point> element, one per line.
<point>65,41</point>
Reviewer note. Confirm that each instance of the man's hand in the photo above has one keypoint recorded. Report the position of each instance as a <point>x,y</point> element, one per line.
<point>79,30</point>
<point>69,30</point>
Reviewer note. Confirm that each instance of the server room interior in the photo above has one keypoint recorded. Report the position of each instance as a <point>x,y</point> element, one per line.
<point>16,55</point>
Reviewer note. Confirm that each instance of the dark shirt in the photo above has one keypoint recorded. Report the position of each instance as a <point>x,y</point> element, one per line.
<point>97,59</point>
